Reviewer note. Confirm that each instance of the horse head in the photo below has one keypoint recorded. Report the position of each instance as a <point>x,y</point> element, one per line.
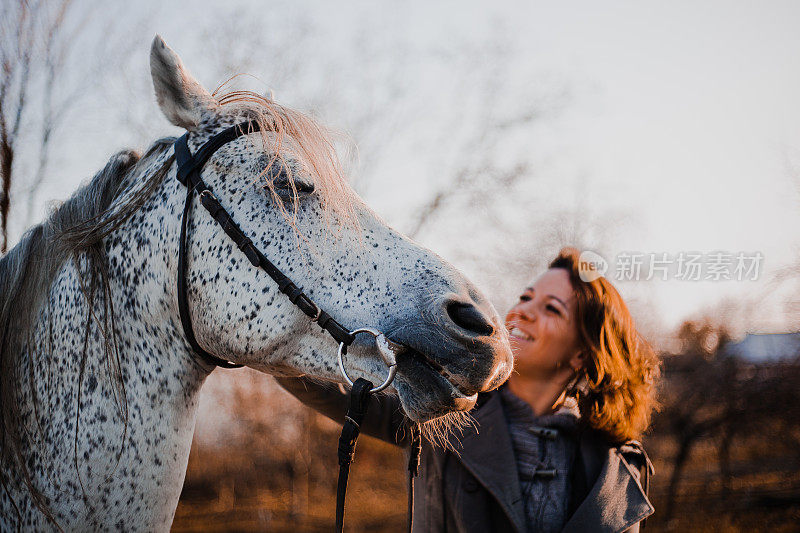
<point>284,188</point>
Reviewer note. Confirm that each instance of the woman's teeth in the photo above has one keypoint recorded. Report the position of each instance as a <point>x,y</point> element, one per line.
<point>518,333</point>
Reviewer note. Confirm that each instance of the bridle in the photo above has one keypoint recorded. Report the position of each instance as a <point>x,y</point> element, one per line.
<point>188,173</point>
<point>189,167</point>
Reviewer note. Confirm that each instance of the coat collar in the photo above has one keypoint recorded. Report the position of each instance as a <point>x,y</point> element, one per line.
<point>483,449</point>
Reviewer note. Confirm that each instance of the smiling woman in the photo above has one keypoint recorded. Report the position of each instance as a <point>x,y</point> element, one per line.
<point>553,449</point>
<point>577,339</point>
<point>581,370</point>
<point>545,340</point>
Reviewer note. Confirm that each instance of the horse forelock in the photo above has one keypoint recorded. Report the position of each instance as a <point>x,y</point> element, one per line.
<point>285,131</point>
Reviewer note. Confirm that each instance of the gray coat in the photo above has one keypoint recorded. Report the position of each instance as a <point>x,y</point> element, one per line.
<point>477,489</point>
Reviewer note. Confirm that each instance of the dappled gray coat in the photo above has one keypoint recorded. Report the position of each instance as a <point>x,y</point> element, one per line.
<point>478,489</point>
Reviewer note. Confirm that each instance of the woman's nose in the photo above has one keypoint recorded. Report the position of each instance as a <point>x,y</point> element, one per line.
<point>528,313</point>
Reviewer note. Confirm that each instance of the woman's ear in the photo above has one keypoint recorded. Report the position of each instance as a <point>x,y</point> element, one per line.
<point>578,361</point>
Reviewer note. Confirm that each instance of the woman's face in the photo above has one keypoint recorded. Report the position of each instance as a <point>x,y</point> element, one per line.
<point>543,328</point>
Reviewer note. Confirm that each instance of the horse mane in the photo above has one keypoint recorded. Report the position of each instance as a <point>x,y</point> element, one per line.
<point>73,230</point>
<point>76,229</point>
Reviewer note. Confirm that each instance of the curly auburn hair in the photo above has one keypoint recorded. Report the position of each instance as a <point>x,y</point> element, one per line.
<point>620,368</point>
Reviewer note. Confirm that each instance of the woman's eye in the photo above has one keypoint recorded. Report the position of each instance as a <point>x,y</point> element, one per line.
<point>524,298</point>
<point>553,308</point>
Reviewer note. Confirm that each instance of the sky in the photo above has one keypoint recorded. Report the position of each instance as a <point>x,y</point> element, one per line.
<point>697,125</point>
<point>676,126</point>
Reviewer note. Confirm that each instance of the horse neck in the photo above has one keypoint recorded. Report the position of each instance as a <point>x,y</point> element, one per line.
<point>137,448</point>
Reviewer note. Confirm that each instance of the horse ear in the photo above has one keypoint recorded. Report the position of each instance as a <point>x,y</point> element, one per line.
<point>182,99</point>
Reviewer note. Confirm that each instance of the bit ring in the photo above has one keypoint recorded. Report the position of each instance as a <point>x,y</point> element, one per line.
<point>385,347</point>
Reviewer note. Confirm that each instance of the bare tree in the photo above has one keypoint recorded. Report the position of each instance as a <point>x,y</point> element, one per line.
<point>55,100</point>
<point>51,55</point>
<point>709,393</point>
<point>352,90</point>
<point>479,127</point>
<point>35,44</point>
<point>16,53</point>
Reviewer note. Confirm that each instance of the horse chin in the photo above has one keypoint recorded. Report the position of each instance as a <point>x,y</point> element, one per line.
<point>426,395</point>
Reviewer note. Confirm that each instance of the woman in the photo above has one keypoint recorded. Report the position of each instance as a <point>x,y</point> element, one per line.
<point>555,447</point>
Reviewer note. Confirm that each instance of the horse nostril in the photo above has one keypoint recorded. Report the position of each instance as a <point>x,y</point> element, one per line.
<point>470,318</point>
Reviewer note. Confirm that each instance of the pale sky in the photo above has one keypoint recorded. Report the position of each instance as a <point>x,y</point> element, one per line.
<point>683,116</point>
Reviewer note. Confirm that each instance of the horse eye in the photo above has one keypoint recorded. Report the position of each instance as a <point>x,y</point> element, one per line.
<point>302,186</point>
<point>279,178</point>
<point>284,186</point>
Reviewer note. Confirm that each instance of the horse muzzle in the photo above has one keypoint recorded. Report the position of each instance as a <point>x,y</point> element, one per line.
<point>444,363</point>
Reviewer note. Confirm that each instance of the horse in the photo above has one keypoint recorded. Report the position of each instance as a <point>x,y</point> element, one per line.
<point>99,385</point>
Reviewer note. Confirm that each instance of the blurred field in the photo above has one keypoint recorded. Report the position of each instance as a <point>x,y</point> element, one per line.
<point>227,491</point>
<point>261,461</point>
<point>764,493</point>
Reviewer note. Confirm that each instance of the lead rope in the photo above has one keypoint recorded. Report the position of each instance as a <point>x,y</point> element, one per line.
<point>360,391</point>
<point>413,471</point>
<point>357,409</point>
<point>351,429</point>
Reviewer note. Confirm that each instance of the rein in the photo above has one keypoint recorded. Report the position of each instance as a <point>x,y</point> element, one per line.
<point>188,174</point>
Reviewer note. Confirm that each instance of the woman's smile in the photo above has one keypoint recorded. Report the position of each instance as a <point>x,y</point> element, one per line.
<point>516,333</point>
